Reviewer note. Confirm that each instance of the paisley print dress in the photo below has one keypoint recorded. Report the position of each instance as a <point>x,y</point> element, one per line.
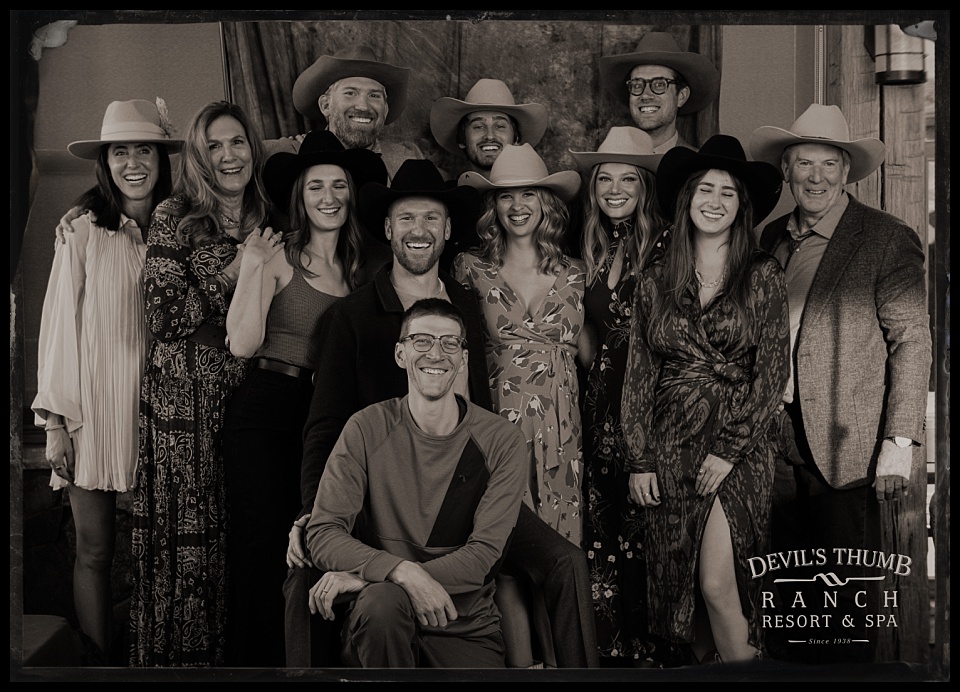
<point>707,382</point>
<point>533,379</point>
<point>177,609</point>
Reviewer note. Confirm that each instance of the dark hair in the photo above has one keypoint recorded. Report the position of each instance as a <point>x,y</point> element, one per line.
<point>548,235</point>
<point>462,126</point>
<point>678,258</point>
<point>433,306</point>
<point>201,213</point>
<point>105,199</point>
<point>349,241</point>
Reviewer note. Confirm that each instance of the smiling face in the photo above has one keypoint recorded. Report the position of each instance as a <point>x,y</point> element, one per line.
<point>134,168</point>
<point>326,197</point>
<point>715,203</point>
<point>417,228</point>
<point>230,156</point>
<point>816,174</point>
<point>485,133</point>
<point>355,109</point>
<point>656,114</point>
<point>431,374</point>
<point>519,211</point>
<point>618,190</point>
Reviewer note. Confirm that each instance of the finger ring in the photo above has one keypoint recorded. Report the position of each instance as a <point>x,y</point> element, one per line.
<point>700,472</point>
<point>646,494</point>
<point>324,590</point>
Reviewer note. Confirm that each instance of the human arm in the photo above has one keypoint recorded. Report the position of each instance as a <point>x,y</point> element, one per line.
<point>297,555</point>
<point>333,587</point>
<point>66,221</point>
<point>256,285</point>
<point>587,345</point>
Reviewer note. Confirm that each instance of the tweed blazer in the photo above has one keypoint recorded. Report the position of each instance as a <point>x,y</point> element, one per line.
<point>863,351</point>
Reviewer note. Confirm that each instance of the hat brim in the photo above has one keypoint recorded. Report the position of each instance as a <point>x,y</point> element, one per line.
<point>565,184</point>
<point>282,169</point>
<point>762,180</point>
<point>698,72</point>
<point>375,199</point>
<point>586,160</point>
<point>316,79</point>
<point>767,144</point>
<point>90,148</point>
<point>447,112</point>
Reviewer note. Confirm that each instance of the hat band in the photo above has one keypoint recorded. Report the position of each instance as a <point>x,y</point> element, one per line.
<point>130,131</point>
<point>513,182</point>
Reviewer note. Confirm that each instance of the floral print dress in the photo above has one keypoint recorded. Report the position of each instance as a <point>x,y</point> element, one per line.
<point>533,379</point>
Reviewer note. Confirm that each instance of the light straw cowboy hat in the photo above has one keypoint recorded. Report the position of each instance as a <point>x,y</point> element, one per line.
<point>521,166</point>
<point>353,61</point>
<point>485,95</point>
<point>130,121</point>
<point>660,48</point>
<point>629,145</point>
<point>721,152</point>
<point>819,125</point>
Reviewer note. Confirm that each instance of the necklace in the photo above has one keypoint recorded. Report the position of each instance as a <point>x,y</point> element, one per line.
<point>712,284</point>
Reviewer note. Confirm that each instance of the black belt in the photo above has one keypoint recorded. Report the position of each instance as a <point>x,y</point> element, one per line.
<point>284,368</point>
<point>210,335</point>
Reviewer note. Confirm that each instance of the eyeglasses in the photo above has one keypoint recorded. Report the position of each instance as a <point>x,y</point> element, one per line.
<point>658,85</point>
<point>424,342</point>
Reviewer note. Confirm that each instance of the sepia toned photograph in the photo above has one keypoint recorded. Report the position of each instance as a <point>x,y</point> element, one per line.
<point>479,345</point>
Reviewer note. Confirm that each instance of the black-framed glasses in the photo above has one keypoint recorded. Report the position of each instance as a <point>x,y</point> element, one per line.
<point>658,85</point>
<point>424,342</point>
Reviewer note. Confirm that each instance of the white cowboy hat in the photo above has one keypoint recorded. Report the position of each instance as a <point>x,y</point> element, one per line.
<point>819,125</point>
<point>521,166</point>
<point>130,121</point>
<point>629,145</point>
<point>485,95</point>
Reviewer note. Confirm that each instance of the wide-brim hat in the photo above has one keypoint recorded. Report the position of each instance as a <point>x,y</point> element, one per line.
<point>320,147</point>
<point>521,166</point>
<point>723,152</point>
<point>660,48</point>
<point>485,95</point>
<point>418,178</point>
<point>629,145</point>
<point>130,121</point>
<point>353,61</point>
<point>819,124</point>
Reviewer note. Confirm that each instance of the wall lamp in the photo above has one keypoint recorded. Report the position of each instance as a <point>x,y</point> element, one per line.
<point>899,57</point>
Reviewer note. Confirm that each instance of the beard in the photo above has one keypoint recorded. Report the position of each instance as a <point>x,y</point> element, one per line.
<point>419,265</point>
<point>352,135</point>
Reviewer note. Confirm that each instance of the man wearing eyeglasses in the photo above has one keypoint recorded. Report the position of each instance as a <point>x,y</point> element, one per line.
<point>658,81</point>
<point>414,510</point>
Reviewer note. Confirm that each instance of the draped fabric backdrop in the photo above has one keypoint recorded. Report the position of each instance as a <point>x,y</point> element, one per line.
<point>553,63</point>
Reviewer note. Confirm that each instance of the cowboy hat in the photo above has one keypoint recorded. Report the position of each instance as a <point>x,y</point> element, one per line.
<point>354,61</point>
<point>320,147</point>
<point>629,145</point>
<point>485,95</point>
<point>723,152</point>
<point>418,178</point>
<point>660,48</point>
<point>130,121</point>
<point>521,166</point>
<point>819,125</point>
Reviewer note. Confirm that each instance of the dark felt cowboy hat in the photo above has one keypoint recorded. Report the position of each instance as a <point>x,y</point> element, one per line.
<point>629,145</point>
<point>418,178</point>
<point>320,147</point>
<point>130,121</point>
<point>819,125</point>
<point>486,95</point>
<point>660,48</point>
<point>521,166</point>
<point>723,152</point>
<point>354,61</point>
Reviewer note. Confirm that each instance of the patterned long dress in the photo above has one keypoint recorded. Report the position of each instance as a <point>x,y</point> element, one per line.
<point>178,605</point>
<point>709,382</point>
<point>533,380</point>
<point>613,526</point>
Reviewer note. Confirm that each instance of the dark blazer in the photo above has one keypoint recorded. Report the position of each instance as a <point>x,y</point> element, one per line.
<point>356,367</point>
<point>863,351</point>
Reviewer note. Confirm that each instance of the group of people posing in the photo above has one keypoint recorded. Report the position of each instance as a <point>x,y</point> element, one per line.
<point>373,415</point>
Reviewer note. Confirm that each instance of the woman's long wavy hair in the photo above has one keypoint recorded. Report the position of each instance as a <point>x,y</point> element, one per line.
<point>196,179</point>
<point>105,199</point>
<point>679,258</point>
<point>548,235</point>
<point>648,223</point>
<point>349,242</point>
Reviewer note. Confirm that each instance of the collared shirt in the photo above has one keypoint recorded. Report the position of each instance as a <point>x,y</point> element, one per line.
<point>668,145</point>
<point>800,255</point>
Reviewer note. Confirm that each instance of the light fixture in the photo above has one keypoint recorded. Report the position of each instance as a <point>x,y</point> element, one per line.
<point>899,57</point>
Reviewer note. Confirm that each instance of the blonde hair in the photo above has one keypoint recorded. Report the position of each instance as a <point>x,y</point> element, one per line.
<point>547,236</point>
